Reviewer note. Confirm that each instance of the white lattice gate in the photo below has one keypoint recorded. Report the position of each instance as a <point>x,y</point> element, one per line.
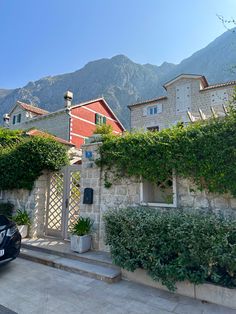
<point>63,201</point>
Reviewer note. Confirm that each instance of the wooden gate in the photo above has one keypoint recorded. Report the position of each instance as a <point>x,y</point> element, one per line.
<point>63,201</point>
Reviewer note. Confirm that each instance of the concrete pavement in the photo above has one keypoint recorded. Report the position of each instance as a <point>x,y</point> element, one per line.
<point>30,288</point>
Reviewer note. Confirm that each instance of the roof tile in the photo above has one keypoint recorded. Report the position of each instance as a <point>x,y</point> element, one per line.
<point>33,109</point>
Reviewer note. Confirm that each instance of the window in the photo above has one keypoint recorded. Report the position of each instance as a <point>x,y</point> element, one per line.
<point>219,97</point>
<point>154,110</point>
<point>153,128</point>
<point>183,98</point>
<point>99,119</point>
<point>19,118</point>
<point>159,193</point>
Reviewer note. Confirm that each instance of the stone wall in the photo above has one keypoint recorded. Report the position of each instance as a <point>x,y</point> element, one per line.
<point>126,192</point>
<point>188,196</point>
<point>34,202</point>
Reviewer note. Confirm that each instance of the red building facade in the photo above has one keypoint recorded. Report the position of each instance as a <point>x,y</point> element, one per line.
<point>85,117</point>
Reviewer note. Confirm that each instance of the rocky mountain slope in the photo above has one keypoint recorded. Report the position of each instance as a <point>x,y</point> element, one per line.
<point>122,82</point>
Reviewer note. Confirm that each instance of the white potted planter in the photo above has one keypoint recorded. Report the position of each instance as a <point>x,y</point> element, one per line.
<point>80,244</point>
<point>22,220</point>
<point>23,229</point>
<point>80,238</point>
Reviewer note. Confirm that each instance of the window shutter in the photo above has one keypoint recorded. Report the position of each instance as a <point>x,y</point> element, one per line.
<point>19,118</point>
<point>96,118</point>
<point>104,120</point>
<point>144,111</point>
<point>14,119</point>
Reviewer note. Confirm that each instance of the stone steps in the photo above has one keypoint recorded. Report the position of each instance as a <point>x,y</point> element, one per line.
<point>88,267</point>
<point>92,257</point>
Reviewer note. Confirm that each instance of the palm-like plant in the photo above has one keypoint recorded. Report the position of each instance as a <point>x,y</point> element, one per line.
<point>82,226</point>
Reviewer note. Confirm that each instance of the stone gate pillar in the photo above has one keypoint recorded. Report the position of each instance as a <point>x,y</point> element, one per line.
<point>91,178</point>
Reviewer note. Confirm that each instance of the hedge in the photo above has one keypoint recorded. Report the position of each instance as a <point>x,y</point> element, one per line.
<point>203,151</point>
<point>174,245</point>
<point>23,158</point>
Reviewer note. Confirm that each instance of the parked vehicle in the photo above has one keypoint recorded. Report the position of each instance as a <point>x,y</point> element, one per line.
<point>10,240</point>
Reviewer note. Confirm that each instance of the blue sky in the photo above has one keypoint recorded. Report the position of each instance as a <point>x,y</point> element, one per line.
<point>49,37</point>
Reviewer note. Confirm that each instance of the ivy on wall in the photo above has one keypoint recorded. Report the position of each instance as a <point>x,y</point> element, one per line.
<point>23,158</point>
<point>204,151</point>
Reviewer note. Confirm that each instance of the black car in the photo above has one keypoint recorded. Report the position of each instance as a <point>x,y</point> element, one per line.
<point>10,240</point>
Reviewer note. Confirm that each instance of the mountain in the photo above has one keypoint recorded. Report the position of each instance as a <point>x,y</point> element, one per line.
<point>4,93</point>
<point>123,82</point>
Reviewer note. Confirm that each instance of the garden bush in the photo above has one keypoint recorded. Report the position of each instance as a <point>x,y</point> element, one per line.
<point>174,245</point>
<point>203,151</point>
<point>23,158</point>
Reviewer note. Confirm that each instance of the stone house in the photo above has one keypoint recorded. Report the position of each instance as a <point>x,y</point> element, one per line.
<point>188,97</point>
<point>73,123</point>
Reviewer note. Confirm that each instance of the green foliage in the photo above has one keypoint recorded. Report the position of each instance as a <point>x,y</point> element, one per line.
<point>203,151</point>
<point>6,209</point>
<point>107,183</point>
<point>103,129</point>
<point>9,138</point>
<point>21,218</point>
<point>174,245</point>
<point>82,226</point>
<point>22,159</point>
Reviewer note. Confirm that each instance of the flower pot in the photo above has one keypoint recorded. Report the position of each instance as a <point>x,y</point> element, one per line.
<point>23,229</point>
<point>80,244</point>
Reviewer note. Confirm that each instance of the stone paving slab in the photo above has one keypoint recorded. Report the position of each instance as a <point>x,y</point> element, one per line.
<point>31,288</point>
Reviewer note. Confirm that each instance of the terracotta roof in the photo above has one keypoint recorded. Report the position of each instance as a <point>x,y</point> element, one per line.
<point>220,85</point>
<point>148,101</point>
<point>31,108</point>
<point>36,132</point>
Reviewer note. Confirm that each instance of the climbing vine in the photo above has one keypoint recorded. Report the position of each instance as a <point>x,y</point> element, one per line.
<point>204,151</point>
<point>23,158</point>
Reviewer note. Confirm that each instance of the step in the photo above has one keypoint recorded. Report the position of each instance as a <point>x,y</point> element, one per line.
<point>92,257</point>
<point>92,270</point>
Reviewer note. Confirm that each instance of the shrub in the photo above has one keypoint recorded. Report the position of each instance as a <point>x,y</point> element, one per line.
<point>103,129</point>
<point>174,245</point>
<point>82,226</point>
<point>203,151</point>
<point>21,218</point>
<point>6,209</point>
<point>22,159</point>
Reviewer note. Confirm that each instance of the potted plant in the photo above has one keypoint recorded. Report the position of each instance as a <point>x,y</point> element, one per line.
<point>22,219</point>
<point>80,237</point>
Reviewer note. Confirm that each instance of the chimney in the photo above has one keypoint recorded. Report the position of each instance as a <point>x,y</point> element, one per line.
<point>6,119</point>
<point>68,96</point>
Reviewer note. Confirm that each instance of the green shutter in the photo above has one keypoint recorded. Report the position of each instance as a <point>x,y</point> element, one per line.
<point>19,118</point>
<point>96,118</point>
<point>14,119</point>
<point>104,120</point>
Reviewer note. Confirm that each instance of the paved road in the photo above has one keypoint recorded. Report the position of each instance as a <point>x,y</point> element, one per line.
<point>30,288</point>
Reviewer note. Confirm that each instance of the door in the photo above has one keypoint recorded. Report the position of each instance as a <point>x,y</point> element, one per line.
<point>63,201</point>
